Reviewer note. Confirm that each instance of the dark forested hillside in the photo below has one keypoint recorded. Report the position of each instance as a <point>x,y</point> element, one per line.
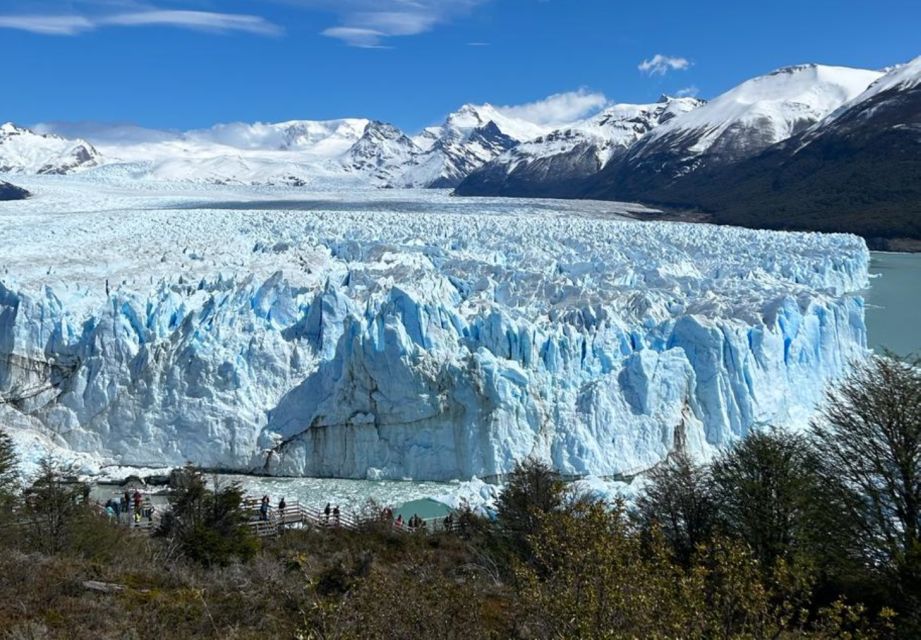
<point>861,173</point>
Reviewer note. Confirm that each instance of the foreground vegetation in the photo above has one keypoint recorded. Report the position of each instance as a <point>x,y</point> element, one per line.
<point>782,536</point>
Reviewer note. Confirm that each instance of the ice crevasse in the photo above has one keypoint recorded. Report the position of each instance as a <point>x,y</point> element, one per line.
<point>445,348</point>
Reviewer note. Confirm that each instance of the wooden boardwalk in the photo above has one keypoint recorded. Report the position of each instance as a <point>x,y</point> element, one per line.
<point>293,516</point>
<point>297,516</point>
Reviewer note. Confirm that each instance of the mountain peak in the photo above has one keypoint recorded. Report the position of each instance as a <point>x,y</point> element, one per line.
<point>794,68</point>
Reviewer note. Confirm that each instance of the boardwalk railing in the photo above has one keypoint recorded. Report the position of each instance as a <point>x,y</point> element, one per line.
<point>295,516</point>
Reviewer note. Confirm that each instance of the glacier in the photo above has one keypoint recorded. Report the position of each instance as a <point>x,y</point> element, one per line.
<point>401,334</point>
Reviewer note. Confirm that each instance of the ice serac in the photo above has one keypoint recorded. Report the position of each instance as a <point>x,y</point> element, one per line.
<point>446,347</point>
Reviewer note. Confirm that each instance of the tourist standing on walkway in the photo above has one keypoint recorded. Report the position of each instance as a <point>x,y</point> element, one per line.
<point>326,512</point>
<point>264,509</point>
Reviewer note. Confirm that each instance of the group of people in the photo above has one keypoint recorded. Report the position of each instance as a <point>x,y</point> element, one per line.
<point>331,516</point>
<point>132,505</point>
<point>415,523</point>
<point>328,511</point>
<point>265,507</point>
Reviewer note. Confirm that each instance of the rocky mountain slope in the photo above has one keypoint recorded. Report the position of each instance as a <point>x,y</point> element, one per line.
<point>468,139</point>
<point>12,192</point>
<point>858,170</point>
<point>556,164</point>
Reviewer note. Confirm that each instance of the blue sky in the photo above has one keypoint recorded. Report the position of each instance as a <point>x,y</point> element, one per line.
<point>191,63</point>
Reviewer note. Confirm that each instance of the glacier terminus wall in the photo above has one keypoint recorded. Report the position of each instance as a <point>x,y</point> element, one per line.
<point>407,335</point>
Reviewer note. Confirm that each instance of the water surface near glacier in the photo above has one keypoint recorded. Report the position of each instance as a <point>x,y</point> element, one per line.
<point>350,495</point>
<point>893,302</point>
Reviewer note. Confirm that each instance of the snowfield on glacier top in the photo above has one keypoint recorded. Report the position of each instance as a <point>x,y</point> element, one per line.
<point>404,334</point>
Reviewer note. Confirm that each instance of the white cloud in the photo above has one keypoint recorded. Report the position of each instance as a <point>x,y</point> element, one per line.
<point>132,14</point>
<point>63,25</point>
<point>368,23</point>
<point>659,65</point>
<point>688,92</point>
<point>558,109</point>
<point>359,23</point>
<point>357,36</point>
<point>203,20</point>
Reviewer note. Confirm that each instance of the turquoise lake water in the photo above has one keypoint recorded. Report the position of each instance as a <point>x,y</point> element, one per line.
<point>894,303</point>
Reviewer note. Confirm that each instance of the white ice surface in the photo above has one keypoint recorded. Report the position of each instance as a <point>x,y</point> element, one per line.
<point>397,334</point>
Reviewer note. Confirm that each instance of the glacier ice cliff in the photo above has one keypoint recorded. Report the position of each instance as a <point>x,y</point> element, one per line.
<point>392,344</point>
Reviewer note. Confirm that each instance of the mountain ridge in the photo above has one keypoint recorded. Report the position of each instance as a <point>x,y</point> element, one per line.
<point>814,147</point>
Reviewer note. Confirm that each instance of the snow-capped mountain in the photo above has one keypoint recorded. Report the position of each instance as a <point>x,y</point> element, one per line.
<point>12,192</point>
<point>752,116</point>
<point>353,151</point>
<point>25,151</point>
<point>736,125</point>
<point>382,152</point>
<point>470,117</point>
<point>556,163</point>
<point>452,158</point>
<point>857,170</point>
<point>469,138</point>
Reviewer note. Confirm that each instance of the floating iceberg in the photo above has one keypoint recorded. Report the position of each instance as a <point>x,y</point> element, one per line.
<point>409,335</point>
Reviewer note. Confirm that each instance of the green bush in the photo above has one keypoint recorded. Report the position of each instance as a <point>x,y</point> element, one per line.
<point>207,526</point>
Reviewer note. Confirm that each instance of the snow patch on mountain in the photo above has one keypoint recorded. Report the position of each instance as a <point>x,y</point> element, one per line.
<point>759,112</point>
<point>573,153</point>
<point>901,78</point>
<point>24,151</point>
<point>469,138</point>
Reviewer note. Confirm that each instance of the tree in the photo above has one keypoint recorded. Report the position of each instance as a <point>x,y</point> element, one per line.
<point>604,582</point>
<point>769,493</point>
<point>9,472</point>
<point>53,502</point>
<point>679,502</point>
<point>208,526</point>
<point>869,436</point>
<point>531,491</point>
<point>599,580</point>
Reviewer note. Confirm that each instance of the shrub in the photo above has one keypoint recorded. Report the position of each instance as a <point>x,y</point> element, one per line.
<point>678,501</point>
<point>531,491</point>
<point>9,473</point>
<point>52,505</point>
<point>207,526</point>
